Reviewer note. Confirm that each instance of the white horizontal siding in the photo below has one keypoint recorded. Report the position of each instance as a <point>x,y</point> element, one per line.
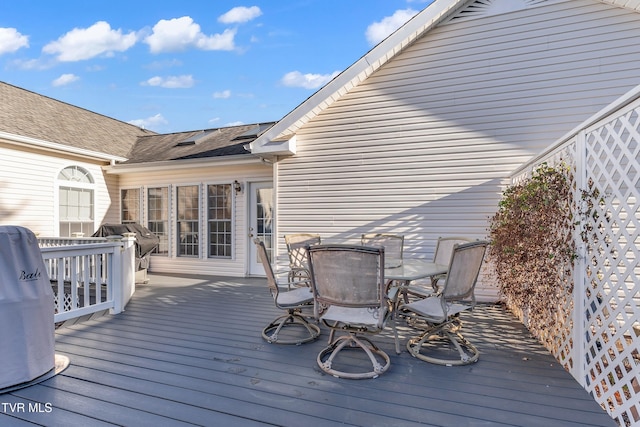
<point>28,188</point>
<point>423,147</point>
<point>218,174</point>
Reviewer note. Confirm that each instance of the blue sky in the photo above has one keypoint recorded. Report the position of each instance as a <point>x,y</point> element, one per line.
<point>173,66</point>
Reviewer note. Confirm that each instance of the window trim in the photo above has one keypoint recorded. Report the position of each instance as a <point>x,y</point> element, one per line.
<point>146,216</point>
<point>232,220</point>
<point>176,232</point>
<point>140,204</point>
<point>66,183</point>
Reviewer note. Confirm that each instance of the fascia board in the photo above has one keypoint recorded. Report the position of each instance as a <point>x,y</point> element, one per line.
<point>176,165</point>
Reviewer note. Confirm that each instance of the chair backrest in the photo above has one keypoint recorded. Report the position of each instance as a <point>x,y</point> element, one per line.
<point>444,248</point>
<point>464,268</point>
<point>393,245</point>
<point>264,259</point>
<point>348,276</point>
<point>296,247</point>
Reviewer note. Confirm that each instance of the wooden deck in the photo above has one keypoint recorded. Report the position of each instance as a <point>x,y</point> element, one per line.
<point>188,351</point>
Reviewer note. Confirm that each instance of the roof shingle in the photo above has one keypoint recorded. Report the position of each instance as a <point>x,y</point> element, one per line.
<point>36,116</point>
<point>226,141</point>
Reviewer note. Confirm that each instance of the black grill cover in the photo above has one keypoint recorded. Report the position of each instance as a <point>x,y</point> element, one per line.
<point>146,241</point>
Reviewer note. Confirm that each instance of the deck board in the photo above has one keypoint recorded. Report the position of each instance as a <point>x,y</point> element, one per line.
<point>188,351</point>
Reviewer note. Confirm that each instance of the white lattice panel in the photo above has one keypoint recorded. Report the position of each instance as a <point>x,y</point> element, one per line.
<point>612,288</point>
<point>603,353</point>
<point>558,337</point>
<point>67,303</point>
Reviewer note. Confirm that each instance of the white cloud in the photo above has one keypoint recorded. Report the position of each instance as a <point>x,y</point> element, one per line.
<point>379,31</point>
<point>149,122</point>
<point>307,81</point>
<point>11,40</point>
<point>234,124</point>
<point>171,82</point>
<point>239,15</point>
<point>181,33</point>
<point>214,120</point>
<point>65,79</point>
<point>31,64</point>
<point>86,43</point>
<point>168,63</point>
<point>222,95</point>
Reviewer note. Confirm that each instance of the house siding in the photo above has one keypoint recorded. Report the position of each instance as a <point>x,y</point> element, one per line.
<point>215,174</point>
<point>28,188</point>
<point>425,145</point>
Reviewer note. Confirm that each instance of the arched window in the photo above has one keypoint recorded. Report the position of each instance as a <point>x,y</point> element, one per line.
<point>75,201</point>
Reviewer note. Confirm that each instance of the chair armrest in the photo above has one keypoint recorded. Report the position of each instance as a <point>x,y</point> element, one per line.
<point>287,283</point>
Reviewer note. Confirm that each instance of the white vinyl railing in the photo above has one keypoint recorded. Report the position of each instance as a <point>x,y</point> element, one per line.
<point>89,275</point>
<point>598,337</point>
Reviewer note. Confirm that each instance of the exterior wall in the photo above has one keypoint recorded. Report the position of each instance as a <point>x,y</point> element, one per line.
<point>28,192</point>
<point>215,174</point>
<point>425,145</point>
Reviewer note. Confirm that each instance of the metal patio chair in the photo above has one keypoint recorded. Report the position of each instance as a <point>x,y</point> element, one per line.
<point>293,327</point>
<point>350,296</point>
<point>438,316</point>
<point>296,249</point>
<point>442,256</point>
<point>393,245</point>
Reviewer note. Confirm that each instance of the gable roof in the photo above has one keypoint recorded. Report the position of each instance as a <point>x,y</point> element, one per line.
<point>37,120</point>
<point>280,139</point>
<point>207,143</point>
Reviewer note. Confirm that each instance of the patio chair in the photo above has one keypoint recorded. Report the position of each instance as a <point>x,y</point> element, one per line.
<point>393,245</point>
<point>442,255</point>
<point>439,315</point>
<point>350,296</point>
<point>296,249</point>
<point>293,300</point>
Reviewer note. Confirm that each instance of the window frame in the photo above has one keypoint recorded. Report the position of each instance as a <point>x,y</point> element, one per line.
<point>137,200</point>
<point>75,182</point>
<point>230,222</point>
<point>198,224</point>
<point>166,236</point>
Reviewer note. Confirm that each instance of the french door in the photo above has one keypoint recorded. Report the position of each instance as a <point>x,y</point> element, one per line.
<point>261,223</point>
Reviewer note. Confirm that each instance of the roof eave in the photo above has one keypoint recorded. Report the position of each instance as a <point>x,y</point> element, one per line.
<point>59,148</point>
<point>176,165</point>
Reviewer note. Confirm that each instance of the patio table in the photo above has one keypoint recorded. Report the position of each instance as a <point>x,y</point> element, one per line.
<point>413,269</point>
<point>401,276</point>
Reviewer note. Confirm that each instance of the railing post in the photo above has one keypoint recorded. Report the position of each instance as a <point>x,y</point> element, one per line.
<point>579,337</point>
<point>123,275</point>
<point>128,267</point>
<point>114,276</point>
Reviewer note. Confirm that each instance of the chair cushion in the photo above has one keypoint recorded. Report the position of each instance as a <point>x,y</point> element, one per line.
<point>355,317</point>
<point>431,308</point>
<point>294,297</point>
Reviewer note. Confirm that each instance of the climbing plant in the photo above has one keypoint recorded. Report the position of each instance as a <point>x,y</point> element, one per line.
<point>533,245</point>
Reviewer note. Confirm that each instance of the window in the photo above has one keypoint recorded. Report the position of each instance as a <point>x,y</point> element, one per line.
<point>75,201</point>
<point>158,207</point>
<point>188,220</point>
<point>130,205</point>
<point>219,220</point>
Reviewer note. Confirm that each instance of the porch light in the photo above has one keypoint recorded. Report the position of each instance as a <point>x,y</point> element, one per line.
<point>237,186</point>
